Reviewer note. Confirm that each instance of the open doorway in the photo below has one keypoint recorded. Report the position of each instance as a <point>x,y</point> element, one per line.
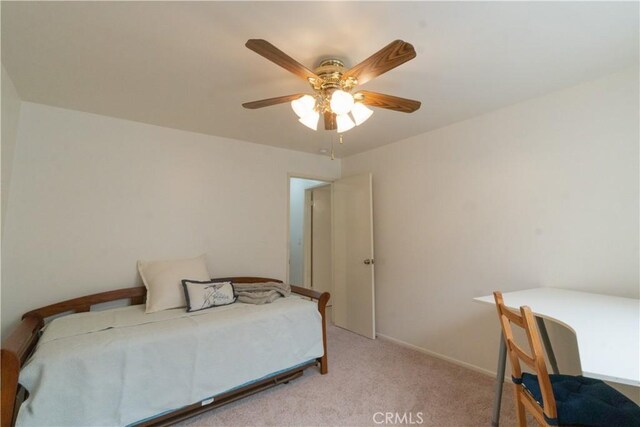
<point>331,246</point>
<point>310,245</point>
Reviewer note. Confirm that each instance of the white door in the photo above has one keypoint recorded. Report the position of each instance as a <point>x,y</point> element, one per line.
<point>353,285</point>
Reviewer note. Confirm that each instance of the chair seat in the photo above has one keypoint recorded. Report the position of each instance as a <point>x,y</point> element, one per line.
<point>586,401</point>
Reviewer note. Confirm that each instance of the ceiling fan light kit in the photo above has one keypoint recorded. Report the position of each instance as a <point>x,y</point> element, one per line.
<point>332,85</point>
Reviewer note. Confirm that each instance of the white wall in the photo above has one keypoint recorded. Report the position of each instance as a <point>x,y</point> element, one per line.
<point>542,193</point>
<point>296,227</point>
<point>10,115</point>
<point>90,195</point>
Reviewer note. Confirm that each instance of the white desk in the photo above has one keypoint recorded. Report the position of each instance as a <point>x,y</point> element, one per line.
<point>607,331</point>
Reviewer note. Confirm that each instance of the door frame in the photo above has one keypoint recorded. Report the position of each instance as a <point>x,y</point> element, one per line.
<point>307,250</point>
<point>328,181</point>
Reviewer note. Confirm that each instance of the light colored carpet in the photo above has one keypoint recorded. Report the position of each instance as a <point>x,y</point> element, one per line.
<point>365,377</point>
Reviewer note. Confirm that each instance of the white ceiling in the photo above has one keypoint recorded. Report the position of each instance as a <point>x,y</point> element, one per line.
<point>184,65</point>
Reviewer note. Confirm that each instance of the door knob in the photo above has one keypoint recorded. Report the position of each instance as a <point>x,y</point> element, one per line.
<point>368,261</point>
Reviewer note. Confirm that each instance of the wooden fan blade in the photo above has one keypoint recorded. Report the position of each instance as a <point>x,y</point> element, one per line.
<point>389,102</point>
<point>330,121</point>
<point>275,55</point>
<point>389,57</point>
<point>271,101</point>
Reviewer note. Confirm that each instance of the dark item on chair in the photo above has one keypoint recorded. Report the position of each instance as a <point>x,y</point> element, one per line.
<point>21,342</point>
<point>558,399</point>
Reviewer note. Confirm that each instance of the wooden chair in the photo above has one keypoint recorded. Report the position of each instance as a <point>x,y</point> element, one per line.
<point>524,399</point>
<point>558,399</point>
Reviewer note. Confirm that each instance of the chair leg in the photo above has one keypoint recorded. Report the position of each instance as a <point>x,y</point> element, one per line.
<point>520,413</point>
<point>497,397</point>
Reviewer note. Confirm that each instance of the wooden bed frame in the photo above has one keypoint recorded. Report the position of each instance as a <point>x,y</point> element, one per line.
<point>21,342</point>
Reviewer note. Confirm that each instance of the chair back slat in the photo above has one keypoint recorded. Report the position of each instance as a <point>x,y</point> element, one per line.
<point>535,360</point>
<point>513,318</point>
<point>522,355</point>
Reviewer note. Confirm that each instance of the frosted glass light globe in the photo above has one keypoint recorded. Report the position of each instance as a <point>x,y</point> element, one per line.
<point>341,102</point>
<point>360,113</point>
<point>344,123</point>
<point>303,105</point>
<point>310,120</point>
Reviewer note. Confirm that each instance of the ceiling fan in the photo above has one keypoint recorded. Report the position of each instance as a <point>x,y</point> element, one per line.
<point>333,86</point>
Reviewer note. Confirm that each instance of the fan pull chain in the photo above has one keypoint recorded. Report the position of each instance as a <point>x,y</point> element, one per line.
<point>341,139</point>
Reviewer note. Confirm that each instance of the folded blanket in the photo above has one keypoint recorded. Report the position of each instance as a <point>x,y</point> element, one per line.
<point>261,293</point>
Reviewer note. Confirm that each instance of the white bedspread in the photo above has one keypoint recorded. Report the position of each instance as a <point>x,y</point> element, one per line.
<point>120,366</point>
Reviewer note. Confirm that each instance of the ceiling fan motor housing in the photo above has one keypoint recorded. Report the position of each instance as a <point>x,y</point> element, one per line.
<point>330,72</point>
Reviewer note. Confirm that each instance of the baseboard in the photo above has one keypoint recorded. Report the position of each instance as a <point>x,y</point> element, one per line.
<point>440,356</point>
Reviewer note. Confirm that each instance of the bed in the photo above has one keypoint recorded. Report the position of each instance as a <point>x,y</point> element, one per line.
<point>123,367</point>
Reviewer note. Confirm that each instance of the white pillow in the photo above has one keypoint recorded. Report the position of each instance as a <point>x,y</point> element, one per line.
<point>163,280</point>
<point>203,295</point>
